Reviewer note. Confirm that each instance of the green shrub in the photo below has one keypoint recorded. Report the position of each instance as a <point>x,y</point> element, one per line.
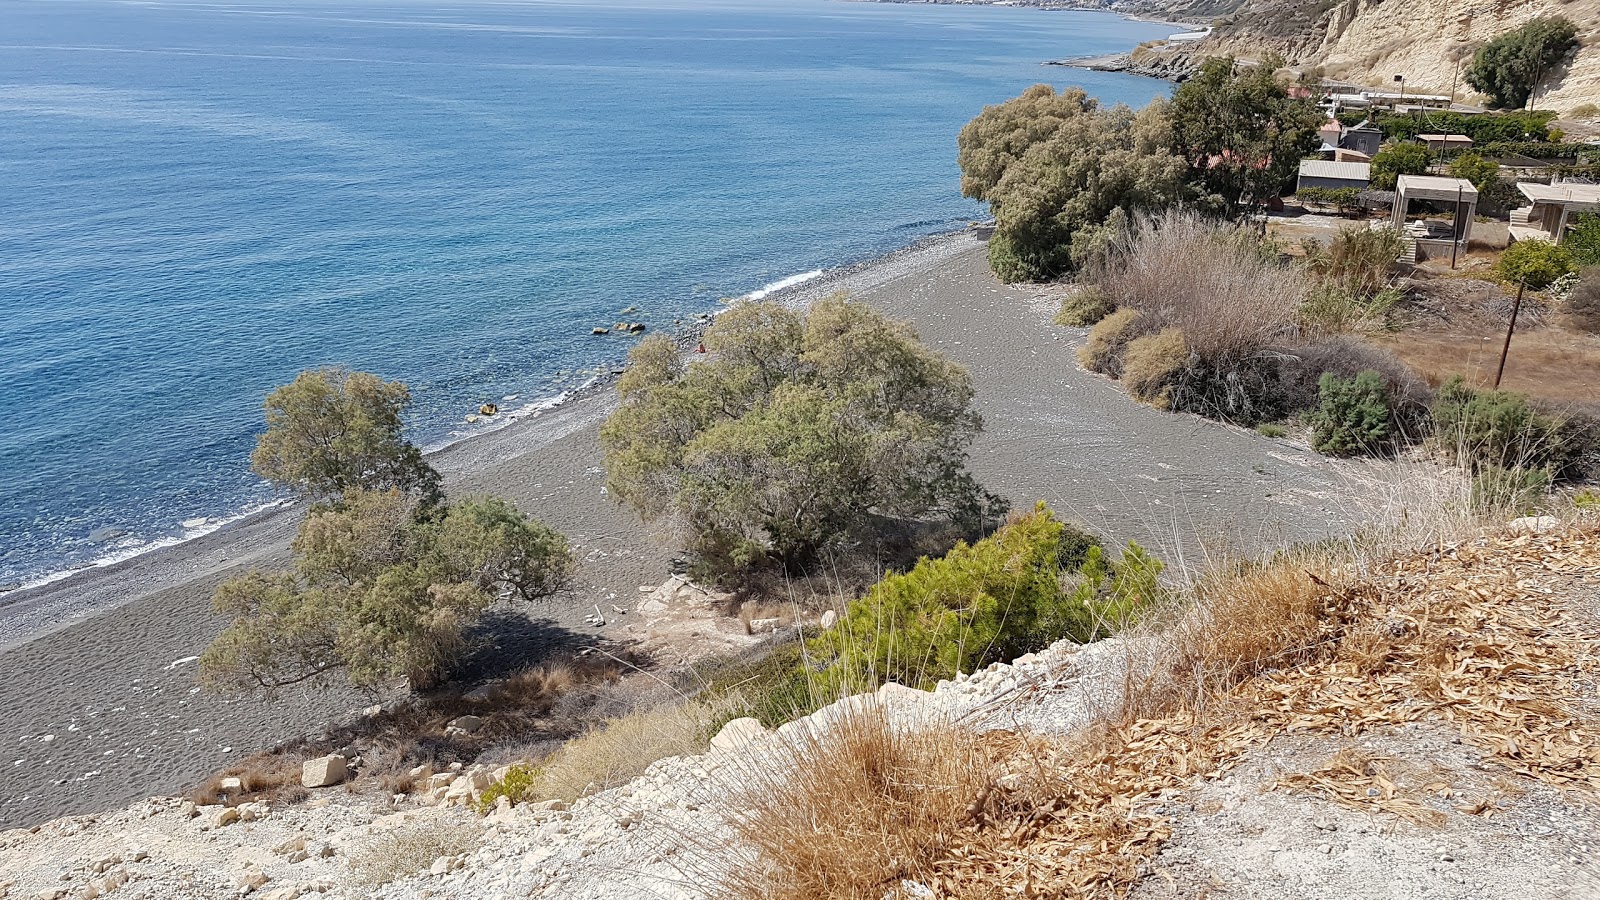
<point>1583,240</point>
<point>1084,307</point>
<point>1358,259</point>
<point>1507,126</point>
<point>1534,263</point>
<point>1587,499</point>
<point>1343,198</point>
<point>1584,111</point>
<point>1353,415</point>
<point>1475,169</point>
<point>1334,310</point>
<point>1152,364</point>
<point>1515,491</point>
<point>1107,340</point>
<point>981,603</point>
<point>1271,430</point>
<point>1480,429</point>
<point>1396,159</point>
<point>518,786</point>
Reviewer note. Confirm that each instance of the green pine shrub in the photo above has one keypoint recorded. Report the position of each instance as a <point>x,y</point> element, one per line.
<point>1353,415</point>
<point>1510,491</point>
<point>1501,429</point>
<point>518,786</point>
<point>982,603</point>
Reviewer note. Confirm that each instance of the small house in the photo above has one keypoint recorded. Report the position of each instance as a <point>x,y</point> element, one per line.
<point>1319,173</point>
<point>1551,208</point>
<point>1365,139</point>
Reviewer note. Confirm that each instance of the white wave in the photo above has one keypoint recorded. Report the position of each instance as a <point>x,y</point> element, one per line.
<point>776,286</point>
<point>505,417</point>
<point>132,546</point>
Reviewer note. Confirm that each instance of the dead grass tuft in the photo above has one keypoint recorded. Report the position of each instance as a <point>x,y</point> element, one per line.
<point>273,776</point>
<point>622,748</point>
<point>841,812</point>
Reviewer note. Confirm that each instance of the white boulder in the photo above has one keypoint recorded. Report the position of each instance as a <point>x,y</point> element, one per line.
<point>323,771</point>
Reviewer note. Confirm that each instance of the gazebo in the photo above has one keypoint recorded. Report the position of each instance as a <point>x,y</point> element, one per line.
<point>1551,207</point>
<point>1458,191</point>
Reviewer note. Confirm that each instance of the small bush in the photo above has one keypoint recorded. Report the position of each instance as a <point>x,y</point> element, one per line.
<point>1107,339</point>
<point>1587,500</point>
<point>1084,307</point>
<point>1358,259</point>
<point>1343,198</point>
<point>1584,111</point>
<point>1534,263</point>
<point>1583,240</point>
<point>1271,430</point>
<point>1347,357</point>
<point>1583,307</point>
<point>622,748</point>
<point>1333,310</point>
<point>1500,429</point>
<point>518,786</point>
<point>983,603</point>
<point>407,850</point>
<point>1353,416</point>
<point>1152,364</point>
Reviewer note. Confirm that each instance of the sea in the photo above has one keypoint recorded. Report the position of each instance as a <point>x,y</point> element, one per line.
<point>200,199</point>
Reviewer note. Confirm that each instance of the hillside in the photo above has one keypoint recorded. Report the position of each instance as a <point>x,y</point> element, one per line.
<point>1371,41</point>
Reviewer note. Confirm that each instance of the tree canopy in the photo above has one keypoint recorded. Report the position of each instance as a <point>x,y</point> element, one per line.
<point>387,577</point>
<point>380,592</point>
<point>1508,68</point>
<point>798,432</point>
<point>1240,132</point>
<point>1060,174</point>
<point>332,430</point>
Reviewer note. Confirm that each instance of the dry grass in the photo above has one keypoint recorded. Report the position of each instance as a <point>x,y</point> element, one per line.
<point>1108,338</point>
<point>1152,363</point>
<point>1229,297</point>
<point>409,849</point>
<point>1546,363</point>
<point>272,776</point>
<point>839,813</point>
<point>622,748</point>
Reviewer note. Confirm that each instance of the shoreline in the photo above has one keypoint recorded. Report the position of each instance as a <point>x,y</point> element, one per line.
<point>15,598</point>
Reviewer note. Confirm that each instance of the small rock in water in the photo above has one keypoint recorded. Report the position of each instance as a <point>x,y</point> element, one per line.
<point>108,533</point>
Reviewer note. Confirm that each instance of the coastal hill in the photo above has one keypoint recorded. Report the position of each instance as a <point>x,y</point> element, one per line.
<point>1364,41</point>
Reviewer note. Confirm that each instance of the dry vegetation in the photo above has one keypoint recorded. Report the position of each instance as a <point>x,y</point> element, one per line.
<point>1478,633</point>
<point>409,849</point>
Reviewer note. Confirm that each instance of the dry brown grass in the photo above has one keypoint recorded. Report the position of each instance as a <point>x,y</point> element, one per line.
<point>409,849</point>
<point>1230,299</point>
<point>1108,338</point>
<point>841,812</point>
<point>1546,363</point>
<point>622,748</point>
<point>1152,363</point>
<point>273,776</point>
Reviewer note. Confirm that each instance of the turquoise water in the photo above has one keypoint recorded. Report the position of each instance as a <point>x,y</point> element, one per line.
<point>198,200</point>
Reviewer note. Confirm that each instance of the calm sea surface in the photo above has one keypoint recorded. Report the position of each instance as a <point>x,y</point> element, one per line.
<point>198,200</point>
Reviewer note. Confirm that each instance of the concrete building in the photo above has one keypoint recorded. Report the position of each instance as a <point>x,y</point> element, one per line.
<point>1441,142</point>
<point>1551,208</point>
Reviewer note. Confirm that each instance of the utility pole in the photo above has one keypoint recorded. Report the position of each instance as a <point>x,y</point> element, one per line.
<point>1516,307</point>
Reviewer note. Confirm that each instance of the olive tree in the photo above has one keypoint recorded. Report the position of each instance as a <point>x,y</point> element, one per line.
<point>1062,176</point>
<point>380,592</point>
<point>797,433</point>
<point>332,430</point>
